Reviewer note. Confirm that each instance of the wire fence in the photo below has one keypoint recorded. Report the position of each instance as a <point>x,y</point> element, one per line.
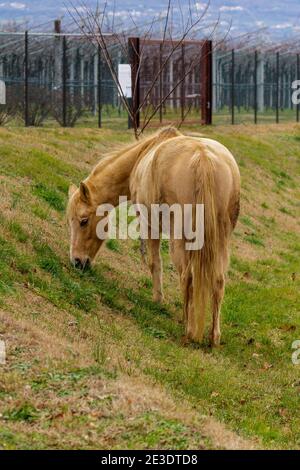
<point>178,89</point>
<point>62,79</point>
<point>56,78</point>
<point>254,86</point>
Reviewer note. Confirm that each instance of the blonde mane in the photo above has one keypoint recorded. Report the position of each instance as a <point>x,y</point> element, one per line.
<point>142,146</point>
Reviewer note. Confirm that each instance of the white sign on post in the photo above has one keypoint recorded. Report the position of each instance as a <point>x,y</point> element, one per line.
<point>124,76</point>
<point>2,92</point>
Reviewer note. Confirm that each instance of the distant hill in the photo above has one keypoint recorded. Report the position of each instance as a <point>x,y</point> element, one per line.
<point>281,18</point>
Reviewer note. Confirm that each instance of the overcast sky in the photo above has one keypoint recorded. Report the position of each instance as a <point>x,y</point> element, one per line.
<point>281,17</point>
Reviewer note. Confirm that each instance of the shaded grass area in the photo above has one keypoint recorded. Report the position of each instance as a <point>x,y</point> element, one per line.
<point>250,383</point>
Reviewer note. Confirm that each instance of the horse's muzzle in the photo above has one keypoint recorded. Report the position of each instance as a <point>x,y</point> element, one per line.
<point>79,264</point>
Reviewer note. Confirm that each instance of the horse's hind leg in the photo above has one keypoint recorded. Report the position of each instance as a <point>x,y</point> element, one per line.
<point>155,265</point>
<point>180,260</point>
<point>217,297</point>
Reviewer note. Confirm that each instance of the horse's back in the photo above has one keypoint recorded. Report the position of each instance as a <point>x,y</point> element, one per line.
<point>167,173</point>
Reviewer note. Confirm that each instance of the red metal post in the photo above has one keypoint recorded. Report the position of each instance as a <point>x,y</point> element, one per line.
<point>206,83</point>
<point>134,57</point>
<point>183,82</point>
<point>57,26</point>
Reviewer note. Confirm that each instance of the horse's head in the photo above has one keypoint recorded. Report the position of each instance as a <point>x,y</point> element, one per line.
<point>82,221</point>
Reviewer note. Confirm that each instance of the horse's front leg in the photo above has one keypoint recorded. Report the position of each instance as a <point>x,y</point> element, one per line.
<point>155,265</point>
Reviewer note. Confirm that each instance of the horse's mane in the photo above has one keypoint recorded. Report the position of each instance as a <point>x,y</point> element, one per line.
<point>144,144</point>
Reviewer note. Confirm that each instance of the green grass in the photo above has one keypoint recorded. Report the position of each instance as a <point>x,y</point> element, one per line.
<point>25,412</point>
<point>113,245</point>
<point>18,232</point>
<point>77,338</point>
<point>51,196</point>
<point>253,238</point>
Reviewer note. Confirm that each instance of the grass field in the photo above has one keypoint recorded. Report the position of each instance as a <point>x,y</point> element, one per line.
<point>92,362</point>
<point>116,118</point>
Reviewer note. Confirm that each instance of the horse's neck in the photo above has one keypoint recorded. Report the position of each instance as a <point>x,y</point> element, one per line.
<point>112,180</point>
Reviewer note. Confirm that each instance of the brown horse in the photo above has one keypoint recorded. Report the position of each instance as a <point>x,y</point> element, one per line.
<point>168,168</point>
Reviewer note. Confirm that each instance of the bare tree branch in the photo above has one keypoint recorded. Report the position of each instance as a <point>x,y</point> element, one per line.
<point>92,24</point>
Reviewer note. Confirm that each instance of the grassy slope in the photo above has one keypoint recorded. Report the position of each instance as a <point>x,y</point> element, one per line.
<point>92,362</point>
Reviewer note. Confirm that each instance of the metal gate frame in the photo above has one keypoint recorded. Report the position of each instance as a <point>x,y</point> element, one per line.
<point>206,73</point>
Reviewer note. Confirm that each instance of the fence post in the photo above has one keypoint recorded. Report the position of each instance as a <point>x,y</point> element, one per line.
<point>134,57</point>
<point>232,85</point>
<point>255,87</point>
<point>171,78</point>
<point>57,52</point>
<point>99,88</point>
<point>160,83</point>
<point>206,88</point>
<point>297,78</point>
<point>182,87</point>
<point>57,26</point>
<point>26,73</point>
<point>64,82</point>
<point>277,87</point>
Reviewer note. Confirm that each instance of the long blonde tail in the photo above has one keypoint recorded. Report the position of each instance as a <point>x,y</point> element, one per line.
<point>203,262</point>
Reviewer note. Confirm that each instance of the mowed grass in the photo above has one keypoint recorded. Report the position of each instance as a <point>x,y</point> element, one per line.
<point>93,362</point>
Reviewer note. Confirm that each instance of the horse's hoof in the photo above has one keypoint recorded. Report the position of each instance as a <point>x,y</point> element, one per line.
<point>185,340</point>
<point>215,342</point>
<point>158,298</point>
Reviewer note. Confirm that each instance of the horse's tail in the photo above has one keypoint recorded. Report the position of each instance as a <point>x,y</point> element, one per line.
<point>203,261</point>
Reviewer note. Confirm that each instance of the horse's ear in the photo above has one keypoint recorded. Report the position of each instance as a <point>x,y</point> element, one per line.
<point>85,194</point>
<point>72,190</point>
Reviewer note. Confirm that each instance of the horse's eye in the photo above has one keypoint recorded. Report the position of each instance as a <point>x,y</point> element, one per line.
<point>83,222</point>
